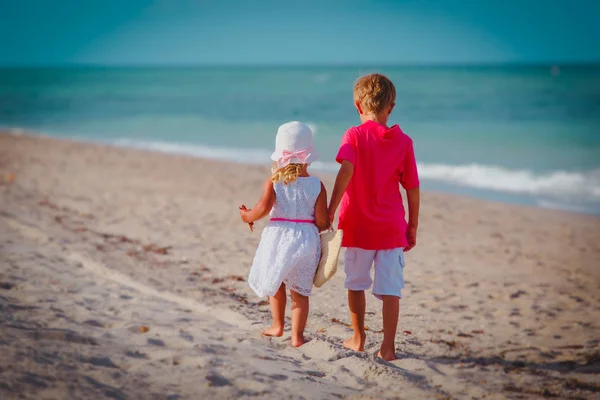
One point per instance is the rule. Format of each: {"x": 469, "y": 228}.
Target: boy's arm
{"x": 410, "y": 183}
{"x": 341, "y": 183}
{"x": 263, "y": 207}
{"x": 321, "y": 218}
{"x": 413, "y": 197}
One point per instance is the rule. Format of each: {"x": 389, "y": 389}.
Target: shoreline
{"x": 178, "y": 151}
{"x": 500, "y": 301}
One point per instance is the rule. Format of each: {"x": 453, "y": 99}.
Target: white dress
{"x": 288, "y": 251}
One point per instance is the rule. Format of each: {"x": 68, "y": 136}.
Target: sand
{"x": 122, "y": 275}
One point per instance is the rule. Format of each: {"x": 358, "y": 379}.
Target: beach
{"x": 123, "y": 275}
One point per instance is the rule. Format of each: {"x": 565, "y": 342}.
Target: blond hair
{"x": 374, "y": 93}
{"x": 287, "y": 174}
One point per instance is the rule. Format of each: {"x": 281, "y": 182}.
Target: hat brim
{"x": 312, "y": 157}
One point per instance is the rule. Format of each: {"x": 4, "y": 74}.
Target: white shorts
{"x": 389, "y": 266}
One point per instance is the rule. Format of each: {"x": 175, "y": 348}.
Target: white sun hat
{"x": 294, "y": 145}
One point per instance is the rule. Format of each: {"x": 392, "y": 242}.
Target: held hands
{"x": 411, "y": 237}
{"x": 331, "y": 216}
{"x": 244, "y": 215}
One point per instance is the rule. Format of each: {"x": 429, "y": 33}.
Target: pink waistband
{"x": 297, "y": 221}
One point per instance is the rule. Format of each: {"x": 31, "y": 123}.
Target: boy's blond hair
{"x": 374, "y": 93}
{"x": 287, "y": 174}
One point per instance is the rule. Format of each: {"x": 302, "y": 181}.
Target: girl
{"x": 290, "y": 246}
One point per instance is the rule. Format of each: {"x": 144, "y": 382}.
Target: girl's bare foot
{"x": 356, "y": 342}
{"x": 387, "y": 355}
{"x": 273, "y": 331}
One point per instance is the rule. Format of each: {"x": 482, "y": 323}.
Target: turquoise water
{"x": 519, "y": 134}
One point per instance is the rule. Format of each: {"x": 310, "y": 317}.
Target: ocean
{"x": 518, "y": 134}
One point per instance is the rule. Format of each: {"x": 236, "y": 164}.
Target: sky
{"x": 297, "y": 32}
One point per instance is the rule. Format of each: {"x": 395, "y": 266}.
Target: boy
{"x": 374, "y": 159}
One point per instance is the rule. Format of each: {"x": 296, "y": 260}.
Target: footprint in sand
{"x": 136, "y": 354}
{"x": 6, "y": 285}
{"x": 108, "y": 391}
{"x": 100, "y": 362}
{"x": 34, "y": 380}
{"x": 95, "y": 323}
{"x": 156, "y": 342}
{"x": 63, "y": 336}
{"x": 187, "y": 336}
{"x": 217, "y": 380}
{"x": 315, "y": 374}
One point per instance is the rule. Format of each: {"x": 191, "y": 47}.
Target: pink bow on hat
{"x": 287, "y": 156}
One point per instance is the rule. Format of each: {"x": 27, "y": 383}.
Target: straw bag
{"x": 331, "y": 244}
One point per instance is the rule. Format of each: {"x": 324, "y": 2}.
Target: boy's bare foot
{"x": 356, "y": 343}
{"x": 387, "y": 355}
{"x": 273, "y": 331}
{"x": 298, "y": 341}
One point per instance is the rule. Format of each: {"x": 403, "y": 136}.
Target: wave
{"x": 583, "y": 185}
{"x": 562, "y": 184}
{"x": 245, "y": 156}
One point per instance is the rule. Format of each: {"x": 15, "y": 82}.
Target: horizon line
{"x": 574, "y": 63}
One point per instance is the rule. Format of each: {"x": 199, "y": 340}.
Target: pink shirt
{"x": 371, "y": 211}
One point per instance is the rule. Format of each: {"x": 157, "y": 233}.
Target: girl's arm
{"x": 321, "y": 217}
{"x": 263, "y": 207}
